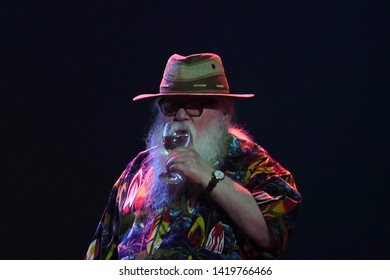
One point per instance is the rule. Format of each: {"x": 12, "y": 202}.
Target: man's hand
{"x": 189, "y": 163}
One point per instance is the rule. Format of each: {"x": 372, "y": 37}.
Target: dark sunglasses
{"x": 193, "y": 108}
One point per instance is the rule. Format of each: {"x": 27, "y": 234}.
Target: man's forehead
{"x": 181, "y": 99}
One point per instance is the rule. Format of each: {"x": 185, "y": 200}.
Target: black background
{"x": 319, "y": 69}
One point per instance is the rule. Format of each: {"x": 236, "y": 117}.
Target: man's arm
{"x": 231, "y": 196}
{"x": 244, "y": 211}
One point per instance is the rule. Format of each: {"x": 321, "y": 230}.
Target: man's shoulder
{"x": 136, "y": 163}
{"x": 134, "y": 169}
{"x": 140, "y": 157}
{"x": 246, "y": 147}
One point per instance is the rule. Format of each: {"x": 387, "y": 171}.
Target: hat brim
{"x": 230, "y": 95}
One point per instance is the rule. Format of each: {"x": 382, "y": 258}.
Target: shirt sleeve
{"x": 274, "y": 189}
{"x": 106, "y": 238}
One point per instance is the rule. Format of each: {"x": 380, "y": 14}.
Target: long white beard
{"x": 211, "y": 144}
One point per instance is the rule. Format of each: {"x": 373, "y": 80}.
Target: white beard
{"x": 211, "y": 144}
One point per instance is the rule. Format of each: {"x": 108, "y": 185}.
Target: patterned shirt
{"x": 197, "y": 229}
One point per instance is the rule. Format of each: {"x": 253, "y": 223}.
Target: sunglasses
{"x": 193, "y": 108}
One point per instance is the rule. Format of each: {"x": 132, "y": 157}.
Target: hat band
{"x": 217, "y": 84}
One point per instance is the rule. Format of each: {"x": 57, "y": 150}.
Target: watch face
{"x": 219, "y": 175}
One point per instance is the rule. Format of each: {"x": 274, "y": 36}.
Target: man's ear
{"x": 227, "y": 115}
{"x": 227, "y": 108}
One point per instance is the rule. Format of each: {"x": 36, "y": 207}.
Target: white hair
{"x": 211, "y": 143}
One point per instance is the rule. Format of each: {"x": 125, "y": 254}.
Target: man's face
{"x": 208, "y": 122}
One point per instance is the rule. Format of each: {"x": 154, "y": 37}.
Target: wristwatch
{"x": 217, "y": 176}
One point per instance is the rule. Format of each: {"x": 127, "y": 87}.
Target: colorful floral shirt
{"x": 197, "y": 229}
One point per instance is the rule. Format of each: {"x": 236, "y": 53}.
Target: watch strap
{"x": 216, "y": 176}
{"x": 213, "y": 182}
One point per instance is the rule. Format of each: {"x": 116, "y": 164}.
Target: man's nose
{"x": 181, "y": 115}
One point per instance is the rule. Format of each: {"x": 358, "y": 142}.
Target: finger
{"x": 173, "y": 158}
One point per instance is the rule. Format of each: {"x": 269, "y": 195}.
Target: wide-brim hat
{"x": 194, "y": 75}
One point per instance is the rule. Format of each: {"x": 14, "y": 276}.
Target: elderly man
{"x": 235, "y": 201}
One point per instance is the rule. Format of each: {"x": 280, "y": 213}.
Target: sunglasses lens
{"x": 194, "y": 109}
{"x": 168, "y": 108}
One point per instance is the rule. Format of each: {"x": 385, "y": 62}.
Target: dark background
{"x": 319, "y": 69}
